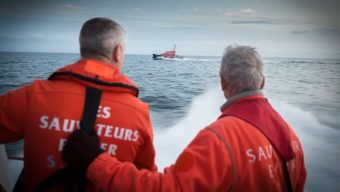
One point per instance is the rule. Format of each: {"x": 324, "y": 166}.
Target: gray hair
{"x": 242, "y": 69}
{"x": 99, "y": 37}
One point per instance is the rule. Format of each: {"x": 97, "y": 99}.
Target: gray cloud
{"x": 39, "y": 36}
{"x": 329, "y": 31}
{"x": 249, "y": 11}
{"x": 246, "y": 22}
{"x": 138, "y": 9}
{"x": 72, "y": 6}
{"x": 320, "y": 31}
{"x": 299, "y": 32}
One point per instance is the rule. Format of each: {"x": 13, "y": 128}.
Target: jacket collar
{"x": 95, "y": 73}
{"x": 242, "y": 96}
{"x": 254, "y": 108}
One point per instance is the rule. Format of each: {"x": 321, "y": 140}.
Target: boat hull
{"x": 162, "y": 57}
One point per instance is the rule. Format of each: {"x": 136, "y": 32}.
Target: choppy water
{"x": 184, "y": 96}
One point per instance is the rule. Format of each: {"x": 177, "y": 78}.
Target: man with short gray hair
{"x": 249, "y": 147}
{"x": 99, "y": 38}
{"x": 242, "y": 69}
{"x": 47, "y": 111}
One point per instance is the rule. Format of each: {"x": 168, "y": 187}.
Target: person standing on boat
{"x": 249, "y": 147}
{"x": 45, "y": 112}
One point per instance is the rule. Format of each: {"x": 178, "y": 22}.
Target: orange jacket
{"x": 231, "y": 154}
{"x": 47, "y": 111}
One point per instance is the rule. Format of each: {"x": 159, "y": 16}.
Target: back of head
{"x": 99, "y": 38}
{"x": 242, "y": 69}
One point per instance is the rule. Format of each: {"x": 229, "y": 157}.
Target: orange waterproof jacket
{"x": 47, "y": 111}
{"x": 231, "y": 154}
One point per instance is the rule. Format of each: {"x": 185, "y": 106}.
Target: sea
{"x": 184, "y": 96}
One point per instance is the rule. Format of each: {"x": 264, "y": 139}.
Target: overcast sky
{"x": 286, "y": 28}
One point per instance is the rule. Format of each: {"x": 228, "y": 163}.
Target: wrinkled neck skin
{"x": 106, "y": 61}
{"x": 116, "y": 58}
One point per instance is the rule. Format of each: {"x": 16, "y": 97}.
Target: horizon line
{"x": 1, "y": 51}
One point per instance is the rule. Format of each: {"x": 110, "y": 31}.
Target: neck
{"x": 107, "y": 61}
{"x": 104, "y": 60}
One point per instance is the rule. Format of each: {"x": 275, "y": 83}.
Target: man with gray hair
{"x": 91, "y": 94}
{"x": 248, "y": 148}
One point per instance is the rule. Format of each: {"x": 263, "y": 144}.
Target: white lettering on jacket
{"x": 51, "y": 161}
{"x": 260, "y": 153}
{"x": 135, "y": 136}
{"x": 109, "y": 148}
{"x": 55, "y": 124}
{"x": 43, "y": 122}
{"x": 104, "y": 112}
{"x": 69, "y": 125}
{"x": 273, "y": 169}
{"x": 251, "y": 156}
{"x": 62, "y": 142}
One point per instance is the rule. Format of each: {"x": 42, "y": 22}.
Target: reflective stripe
{"x": 230, "y": 154}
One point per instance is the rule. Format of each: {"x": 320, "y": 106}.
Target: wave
{"x": 201, "y": 59}
{"x": 169, "y": 142}
{"x": 191, "y": 59}
{"x": 320, "y": 143}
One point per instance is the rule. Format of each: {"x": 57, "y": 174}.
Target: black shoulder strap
{"x": 69, "y": 177}
{"x": 286, "y": 175}
{"x": 91, "y": 105}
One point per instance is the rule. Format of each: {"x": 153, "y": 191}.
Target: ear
{"x": 224, "y": 86}
{"x": 117, "y": 55}
{"x": 263, "y": 82}
{"x": 223, "y": 83}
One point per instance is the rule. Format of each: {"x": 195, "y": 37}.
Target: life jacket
{"x": 258, "y": 112}
{"x": 54, "y": 109}
{"x": 255, "y": 112}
